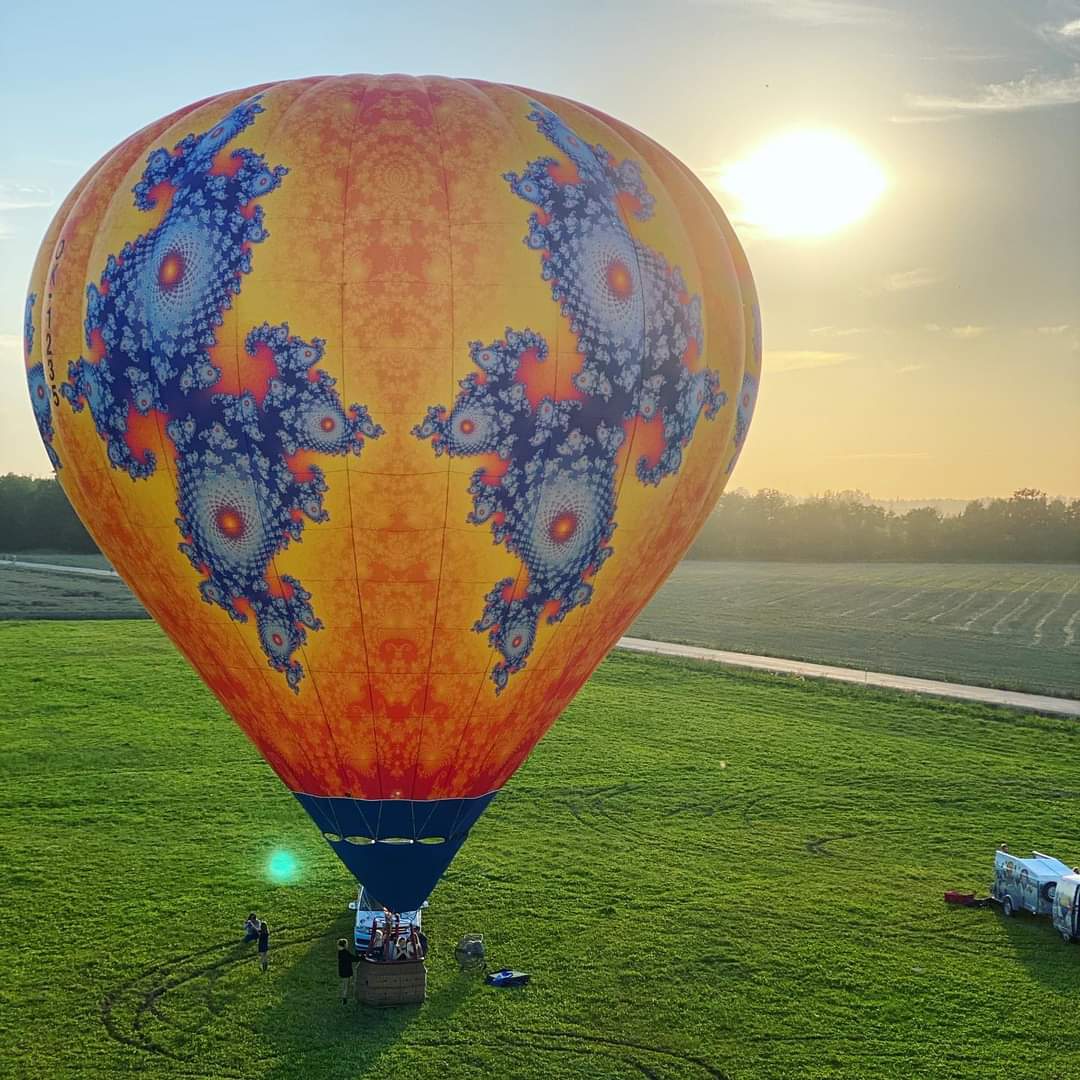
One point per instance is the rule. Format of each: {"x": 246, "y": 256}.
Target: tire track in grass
{"x": 817, "y": 845}
{"x": 600, "y": 1040}
{"x": 586, "y": 1046}
{"x": 591, "y": 809}
{"x": 127, "y": 1010}
{"x": 1037, "y": 635}
{"x": 993, "y": 607}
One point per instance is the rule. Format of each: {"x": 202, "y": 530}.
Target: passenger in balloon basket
{"x": 375, "y": 942}
{"x": 391, "y": 935}
{"x": 391, "y": 942}
{"x": 264, "y": 945}
{"x": 345, "y": 960}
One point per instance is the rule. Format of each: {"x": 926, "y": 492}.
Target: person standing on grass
{"x": 264, "y": 945}
{"x": 345, "y": 960}
{"x": 251, "y": 929}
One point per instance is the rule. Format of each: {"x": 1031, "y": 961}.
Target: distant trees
{"x": 35, "y": 515}
{"x": 847, "y": 527}
{"x": 840, "y": 526}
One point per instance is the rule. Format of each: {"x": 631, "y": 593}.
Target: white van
{"x": 1067, "y": 907}
{"x": 368, "y": 909}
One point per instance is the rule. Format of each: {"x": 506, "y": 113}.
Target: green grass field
{"x": 1012, "y": 626}
{"x": 709, "y": 874}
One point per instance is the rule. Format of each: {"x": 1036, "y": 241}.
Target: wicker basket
{"x": 401, "y": 982}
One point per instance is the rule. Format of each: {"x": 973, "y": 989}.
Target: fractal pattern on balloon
{"x": 150, "y": 325}
{"x": 39, "y": 388}
{"x": 553, "y": 505}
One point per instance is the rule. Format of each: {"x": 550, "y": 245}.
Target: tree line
{"x": 36, "y": 516}
{"x": 835, "y": 527}
{"x": 847, "y": 527}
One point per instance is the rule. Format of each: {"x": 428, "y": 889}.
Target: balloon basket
{"x": 396, "y": 982}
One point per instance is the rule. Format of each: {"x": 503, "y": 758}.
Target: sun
{"x": 804, "y": 183}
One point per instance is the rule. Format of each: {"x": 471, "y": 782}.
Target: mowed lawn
{"x": 709, "y": 874}
{"x": 1015, "y": 626}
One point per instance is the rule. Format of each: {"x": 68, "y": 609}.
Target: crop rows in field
{"x": 1014, "y": 626}
{"x": 92, "y": 562}
{"x": 40, "y": 594}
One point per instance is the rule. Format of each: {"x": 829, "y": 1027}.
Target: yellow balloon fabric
{"x": 394, "y": 400}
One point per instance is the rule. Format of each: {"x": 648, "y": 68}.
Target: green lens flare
{"x": 281, "y": 867}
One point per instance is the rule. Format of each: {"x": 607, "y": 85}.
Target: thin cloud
{"x": 908, "y": 368}
{"x": 20, "y": 197}
{"x": 924, "y": 118}
{"x": 1053, "y": 331}
{"x": 840, "y": 331}
{"x": 1032, "y": 91}
{"x": 1070, "y": 29}
{"x": 963, "y": 54}
{"x": 803, "y": 359}
{"x": 961, "y": 332}
{"x": 810, "y": 12}
{"x": 903, "y": 280}
{"x": 884, "y": 455}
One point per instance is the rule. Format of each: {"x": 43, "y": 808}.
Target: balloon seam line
{"x": 483, "y": 91}
{"x": 446, "y": 501}
{"x": 348, "y": 479}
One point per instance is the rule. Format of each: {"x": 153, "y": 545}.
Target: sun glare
{"x": 281, "y": 867}
{"x": 804, "y": 183}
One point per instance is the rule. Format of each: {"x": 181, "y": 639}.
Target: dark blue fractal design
{"x": 744, "y": 411}
{"x": 39, "y": 388}
{"x": 747, "y": 400}
{"x": 156, "y": 312}
{"x": 554, "y": 505}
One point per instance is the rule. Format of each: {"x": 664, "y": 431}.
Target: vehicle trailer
{"x": 1040, "y": 884}
{"x": 1067, "y": 907}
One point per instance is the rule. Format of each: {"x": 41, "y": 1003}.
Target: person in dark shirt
{"x": 345, "y": 960}
{"x": 264, "y": 945}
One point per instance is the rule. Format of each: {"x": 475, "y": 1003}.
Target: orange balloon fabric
{"x": 394, "y": 400}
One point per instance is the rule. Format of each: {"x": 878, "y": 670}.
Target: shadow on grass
{"x": 308, "y": 1032}
{"x": 1046, "y": 957}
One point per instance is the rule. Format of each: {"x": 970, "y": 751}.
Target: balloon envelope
{"x": 394, "y": 400}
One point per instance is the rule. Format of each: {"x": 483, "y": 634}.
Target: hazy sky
{"x": 929, "y": 349}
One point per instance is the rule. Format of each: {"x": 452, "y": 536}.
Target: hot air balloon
{"x": 394, "y": 400}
